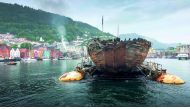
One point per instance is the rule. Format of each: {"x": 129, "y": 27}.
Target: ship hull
{"x": 118, "y": 56}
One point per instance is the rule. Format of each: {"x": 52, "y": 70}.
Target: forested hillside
{"x": 32, "y": 24}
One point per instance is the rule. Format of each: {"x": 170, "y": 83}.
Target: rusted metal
{"x": 118, "y": 56}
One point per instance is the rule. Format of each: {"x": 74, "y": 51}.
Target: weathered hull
{"x": 118, "y": 56}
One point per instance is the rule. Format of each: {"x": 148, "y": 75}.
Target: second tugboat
{"x": 116, "y": 57}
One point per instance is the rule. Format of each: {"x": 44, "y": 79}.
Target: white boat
{"x": 61, "y": 58}
{"x": 46, "y": 59}
{"x": 54, "y": 59}
{"x": 28, "y": 60}
{"x": 67, "y": 58}
{"x": 182, "y": 56}
{"x": 1, "y": 59}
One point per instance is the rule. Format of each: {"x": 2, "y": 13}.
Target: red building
{"x": 24, "y": 53}
{"x": 59, "y": 54}
{"x": 4, "y": 51}
{"x": 53, "y": 54}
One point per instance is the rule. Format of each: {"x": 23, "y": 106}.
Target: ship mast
{"x": 102, "y": 23}
{"x": 118, "y": 30}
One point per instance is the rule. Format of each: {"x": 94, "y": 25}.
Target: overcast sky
{"x": 164, "y": 20}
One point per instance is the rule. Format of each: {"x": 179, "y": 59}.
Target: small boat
{"x": 67, "y": 58}
{"x": 28, "y": 60}
{"x": 61, "y": 58}
{"x": 11, "y": 63}
{"x": 46, "y": 59}
{"x": 182, "y": 56}
{"x": 54, "y": 59}
{"x": 10, "y": 60}
{"x": 39, "y": 59}
{"x": 1, "y": 59}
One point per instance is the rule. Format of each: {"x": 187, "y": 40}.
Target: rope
{"x": 141, "y": 71}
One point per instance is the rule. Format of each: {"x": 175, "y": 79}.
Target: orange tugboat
{"x": 116, "y": 56}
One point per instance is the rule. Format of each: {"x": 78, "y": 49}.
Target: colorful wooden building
{"x": 4, "y": 51}
{"x": 46, "y": 54}
{"x": 24, "y": 53}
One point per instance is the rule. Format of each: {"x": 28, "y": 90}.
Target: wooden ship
{"x": 117, "y": 58}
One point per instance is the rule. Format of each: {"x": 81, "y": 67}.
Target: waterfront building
{"x": 31, "y": 54}
{"x": 156, "y": 53}
{"x": 35, "y": 52}
{"x": 24, "y": 53}
{"x": 38, "y": 51}
{"x": 160, "y": 53}
{"x": 12, "y": 53}
{"x": 17, "y": 53}
{"x": 152, "y": 53}
{"x": 184, "y": 49}
{"x": 46, "y": 54}
{"x": 4, "y": 51}
{"x": 53, "y": 54}
{"x": 1, "y": 41}
{"x": 6, "y": 36}
{"x": 171, "y": 52}
{"x": 78, "y": 42}
{"x": 41, "y": 39}
{"x": 59, "y": 54}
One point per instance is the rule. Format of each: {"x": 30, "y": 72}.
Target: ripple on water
{"x": 37, "y": 84}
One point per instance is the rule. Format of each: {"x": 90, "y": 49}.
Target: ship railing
{"x": 154, "y": 66}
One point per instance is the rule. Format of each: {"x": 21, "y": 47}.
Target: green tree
{"x": 25, "y": 22}
{"x": 14, "y": 46}
{"x": 26, "y": 45}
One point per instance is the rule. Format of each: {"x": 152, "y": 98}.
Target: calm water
{"x": 36, "y": 84}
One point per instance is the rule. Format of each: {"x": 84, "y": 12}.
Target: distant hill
{"x": 32, "y": 24}
{"x": 155, "y": 44}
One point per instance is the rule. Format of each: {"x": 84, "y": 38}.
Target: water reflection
{"x": 117, "y": 93}
{"x": 4, "y": 79}
{"x": 30, "y": 84}
{"x": 37, "y": 84}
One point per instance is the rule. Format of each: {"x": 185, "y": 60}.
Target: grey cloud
{"x": 56, "y": 6}
{"x": 147, "y": 10}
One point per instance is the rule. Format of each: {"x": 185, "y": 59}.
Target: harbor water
{"x": 37, "y": 84}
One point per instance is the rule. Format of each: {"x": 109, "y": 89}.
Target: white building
{"x": 14, "y": 53}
